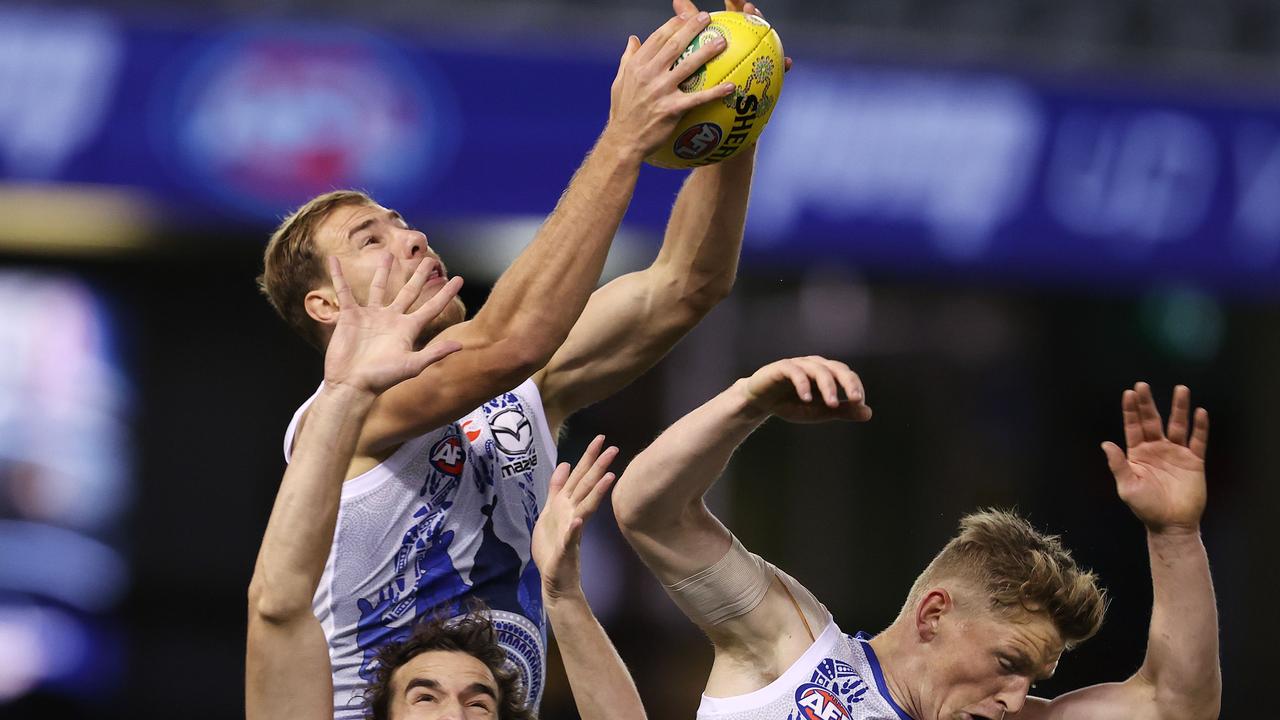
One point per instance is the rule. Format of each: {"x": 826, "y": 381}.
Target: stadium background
{"x": 1000, "y": 212}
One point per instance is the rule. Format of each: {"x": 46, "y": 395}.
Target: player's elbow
{"x": 696, "y": 293}
{"x": 275, "y": 605}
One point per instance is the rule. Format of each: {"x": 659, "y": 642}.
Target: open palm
{"x": 1161, "y": 477}
{"x": 572, "y": 499}
{"x": 372, "y": 347}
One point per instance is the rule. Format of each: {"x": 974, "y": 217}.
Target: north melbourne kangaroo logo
{"x": 512, "y": 431}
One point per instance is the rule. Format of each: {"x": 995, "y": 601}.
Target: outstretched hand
{"x": 786, "y": 388}
{"x": 687, "y": 6}
{"x": 372, "y": 347}
{"x": 573, "y": 498}
{"x": 1161, "y": 478}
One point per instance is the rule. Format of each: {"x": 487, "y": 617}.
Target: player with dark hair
{"x": 992, "y": 613}
{"x": 451, "y": 467}
{"x": 448, "y": 668}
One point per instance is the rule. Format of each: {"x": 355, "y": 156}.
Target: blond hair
{"x": 292, "y": 264}
{"x": 1020, "y": 570}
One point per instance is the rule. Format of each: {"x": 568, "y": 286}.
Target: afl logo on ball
{"x": 818, "y": 703}
{"x": 697, "y": 141}
{"x": 512, "y": 432}
{"x": 448, "y": 456}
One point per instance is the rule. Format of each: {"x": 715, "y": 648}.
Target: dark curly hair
{"x": 473, "y": 634}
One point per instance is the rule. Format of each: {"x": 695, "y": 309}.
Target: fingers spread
{"x": 1178, "y": 414}
{"x": 1132, "y": 423}
{"x": 593, "y": 475}
{"x": 1117, "y": 461}
{"x": 434, "y": 353}
{"x": 689, "y": 101}
{"x": 558, "y": 478}
{"x": 584, "y": 464}
{"x": 675, "y": 45}
{"x": 345, "y": 298}
{"x": 714, "y": 46}
{"x": 413, "y": 288}
{"x": 438, "y": 302}
{"x": 658, "y": 38}
{"x": 593, "y": 499}
{"x": 379, "y": 285}
{"x": 1152, "y": 428}
{"x": 1200, "y": 433}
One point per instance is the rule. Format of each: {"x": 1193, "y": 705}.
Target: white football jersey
{"x": 449, "y": 516}
{"x": 837, "y": 678}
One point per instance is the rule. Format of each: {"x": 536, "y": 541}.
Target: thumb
{"x": 1116, "y": 460}
{"x": 434, "y": 352}
{"x": 633, "y": 44}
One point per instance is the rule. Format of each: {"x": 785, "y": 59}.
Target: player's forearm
{"x": 602, "y": 686}
{"x": 538, "y": 299}
{"x": 300, "y": 530}
{"x": 673, "y": 473}
{"x": 1182, "y": 647}
{"x": 704, "y": 234}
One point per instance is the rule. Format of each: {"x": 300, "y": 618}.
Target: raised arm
{"x": 287, "y": 672}
{"x": 602, "y": 687}
{"x": 659, "y": 500}
{"x": 632, "y": 322}
{"x": 1162, "y": 480}
{"x": 538, "y": 299}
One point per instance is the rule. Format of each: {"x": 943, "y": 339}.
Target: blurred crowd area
{"x": 1001, "y": 213}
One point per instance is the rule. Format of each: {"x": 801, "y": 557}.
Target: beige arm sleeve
{"x": 735, "y": 585}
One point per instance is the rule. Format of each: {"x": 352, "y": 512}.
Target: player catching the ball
{"x": 452, "y": 466}
{"x": 444, "y": 669}
{"x": 992, "y": 613}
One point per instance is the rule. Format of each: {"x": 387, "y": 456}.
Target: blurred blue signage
{"x": 933, "y": 171}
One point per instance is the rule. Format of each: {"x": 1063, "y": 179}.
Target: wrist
{"x": 1174, "y": 533}
{"x": 745, "y": 404}
{"x": 553, "y": 598}
{"x": 346, "y": 394}
{"x": 619, "y": 147}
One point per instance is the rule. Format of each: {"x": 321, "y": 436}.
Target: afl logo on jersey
{"x": 512, "y": 431}
{"x": 818, "y": 703}
{"x": 448, "y": 456}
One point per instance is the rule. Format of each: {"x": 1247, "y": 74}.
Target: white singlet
{"x": 448, "y": 516}
{"x": 837, "y": 678}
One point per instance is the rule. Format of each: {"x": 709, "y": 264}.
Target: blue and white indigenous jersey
{"x": 447, "y": 517}
{"x": 837, "y": 678}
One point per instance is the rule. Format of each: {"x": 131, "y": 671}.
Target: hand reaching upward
{"x": 785, "y": 388}
{"x": 1161, "y": 477}
{"x": 572, "y": 499}
{"x": 372, "y": 347}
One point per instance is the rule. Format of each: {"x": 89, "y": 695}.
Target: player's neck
{"x": 896, "y": 664}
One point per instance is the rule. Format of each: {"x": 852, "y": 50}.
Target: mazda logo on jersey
{"x": 448, "y": 456}
{"x": 818, "y": 703}
{"x": 512, "y": 431}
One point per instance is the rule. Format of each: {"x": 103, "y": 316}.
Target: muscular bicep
{"x": 287, "y": 673}
{"x": 1133, "y": 699}
{"x": 627, "y": 326}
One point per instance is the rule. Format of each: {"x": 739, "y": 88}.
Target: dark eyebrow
{"x": 473, "y": 688}
{"x": 482, "y": 689}
{"x": 421, "y": 682}
{"x": 362, "y": 226}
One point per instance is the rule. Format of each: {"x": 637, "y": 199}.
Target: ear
{"x": 929, "y": 612}
{"x": 322, "y": 305}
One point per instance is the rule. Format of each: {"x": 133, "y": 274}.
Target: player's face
{"x": 443, "y": 685}
{"x": 359, "y": 235}
{"x": 986, "y": 664}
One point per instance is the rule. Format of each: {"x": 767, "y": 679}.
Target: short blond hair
{"x": 292, "y": 264}
{"x": 1021, "y": 570}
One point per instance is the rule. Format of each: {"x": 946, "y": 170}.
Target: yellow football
{"x": 752, "y": 61}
